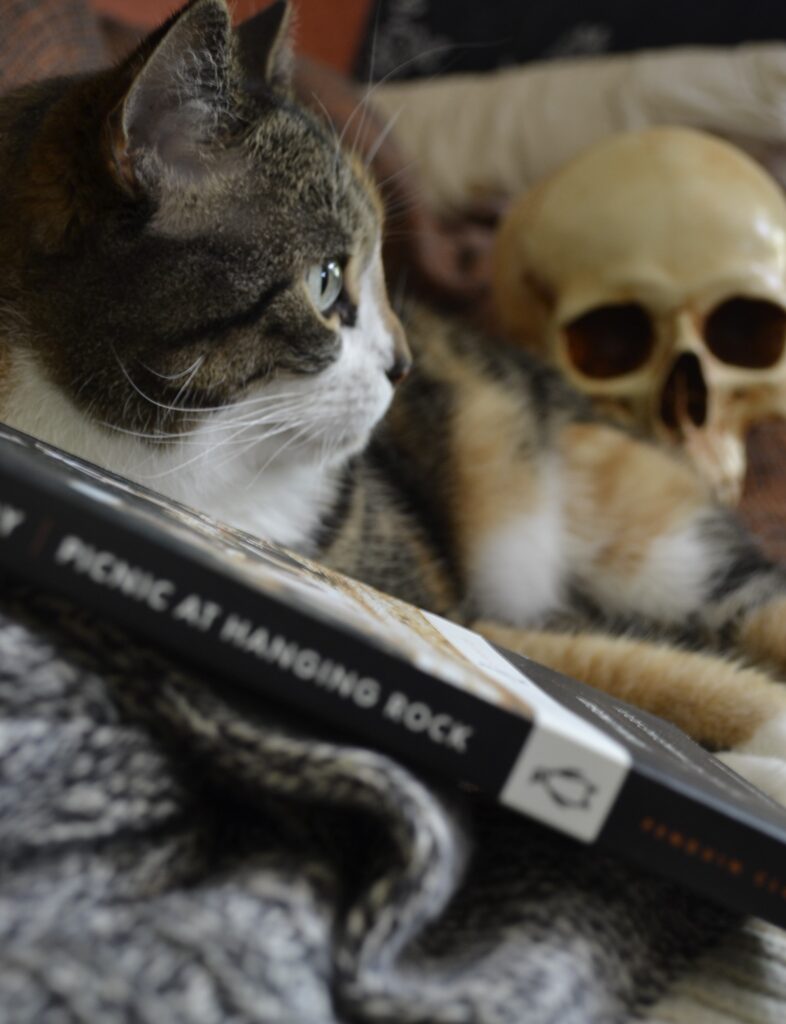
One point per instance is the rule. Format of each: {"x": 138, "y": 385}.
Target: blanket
{"x": 173, "y": 850}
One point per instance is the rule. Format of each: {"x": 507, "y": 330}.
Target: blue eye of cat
{"x": 325, "y": 282}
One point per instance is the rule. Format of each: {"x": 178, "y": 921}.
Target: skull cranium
{"x": 652, "y": 270}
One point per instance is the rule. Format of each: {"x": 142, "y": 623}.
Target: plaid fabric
{"x": 42, "y": 38}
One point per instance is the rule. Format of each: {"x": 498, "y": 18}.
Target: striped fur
{"x": 158, "y": 224}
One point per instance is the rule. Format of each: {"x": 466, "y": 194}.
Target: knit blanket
{"x": 174, "y": 851}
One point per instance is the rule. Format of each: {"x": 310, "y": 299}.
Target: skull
{"x": 652, "y": 271}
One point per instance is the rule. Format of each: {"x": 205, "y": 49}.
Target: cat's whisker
{"x": 400, "y": 297}
{"x": 397, "y": 204}
{"x": 244, "y": 446}
{"x": 404, "y": 169}
{"x": 298, "y": 436}
{"x": 241, "y": 423}
{"x": 365, "y": 100}
{"x": 88, "y": 382}
{"x": 201, "y": 410}
{"x": 380, "y": 139}
{"x": 206, "y": 453}
{"x": 372, "y": 60}
{"x": 239, "y": 437}
{"x": 175, "y": 376}
{"x": 329, "y": 119}
{"x": 183, "y": 392}
{"x": 416, "y": 190}
{"x": 265, "y": 415}
{"x": 371, "y": 65}
{"x": 239, "y": 440}
{"x": 329, "y": 449}
{"x": 293, "y": 424}
{"x": 245, "y": 402}
{"x": 276, "y": 404}
{"x": 148, "y": 398}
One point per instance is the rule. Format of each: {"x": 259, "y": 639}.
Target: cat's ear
{"x": 178, "y": 98}
{"x": 265, "y": 50}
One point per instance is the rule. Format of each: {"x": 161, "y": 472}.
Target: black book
{"x": 424, "y": 689}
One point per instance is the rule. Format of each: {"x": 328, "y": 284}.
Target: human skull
{"x": 652, "y": 270}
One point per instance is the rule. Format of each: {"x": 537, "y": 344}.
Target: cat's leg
{"x": 738, "y": 712}
{"x": 718, "y": 703}
{"x": 647, "y": 543}
{"x": 761, "y": 633}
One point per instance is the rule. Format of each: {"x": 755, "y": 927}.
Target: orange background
{"x": 327, "y": 30}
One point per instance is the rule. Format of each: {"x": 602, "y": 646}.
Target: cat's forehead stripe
{"x": 339, "y": 171}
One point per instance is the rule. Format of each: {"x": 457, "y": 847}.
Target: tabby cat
{"x": 191, "y": 293}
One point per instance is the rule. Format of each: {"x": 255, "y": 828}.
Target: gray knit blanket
{"x": 173, "y": 851}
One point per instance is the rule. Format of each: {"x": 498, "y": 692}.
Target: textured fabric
{"x": 169, "y": 854}
{"x": 501, "y": 133}
{"x": 742, "y": 981}
{"x": 327, "y": 32}
{"x": 409, "y": 38}
{"x": 43, "y": 38}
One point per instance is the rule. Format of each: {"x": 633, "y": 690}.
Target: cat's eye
{"x": 325, "y": 282}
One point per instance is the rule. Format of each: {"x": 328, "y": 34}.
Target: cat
{"x": 192, "y": 294}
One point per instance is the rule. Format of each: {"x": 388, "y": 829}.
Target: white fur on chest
{"x": 668, "y": 584}
{"x": 517, "y": 570}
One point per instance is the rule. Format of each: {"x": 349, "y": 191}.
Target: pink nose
{"x": 399, "y": 370}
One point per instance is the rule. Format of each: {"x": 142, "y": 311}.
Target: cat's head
{"x": 183, "y": 249}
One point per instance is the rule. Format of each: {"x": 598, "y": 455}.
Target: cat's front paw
{"x": 762, "y": 636}
{"x": 762, "y": 759}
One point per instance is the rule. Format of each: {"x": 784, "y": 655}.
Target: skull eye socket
{"x": 610, "y": 341}
{"x": 749, "y": 333}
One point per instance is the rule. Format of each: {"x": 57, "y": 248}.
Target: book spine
{"x": 97, "y": 554}
{"x": 724, "y": 858}
{"x": 668, "y": 819}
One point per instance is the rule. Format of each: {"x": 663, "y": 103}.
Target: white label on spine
{"x": 569, "y": 772}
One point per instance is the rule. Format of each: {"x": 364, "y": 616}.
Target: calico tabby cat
{"x": 191, "y": 293}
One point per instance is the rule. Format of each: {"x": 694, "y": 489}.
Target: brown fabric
{"x": 764, "y": 501}
{"x": 143, "y": 14}
{"x": 119, "y": 39}
{"x": 328, "y": 32}
{"x": 42, "y": 38}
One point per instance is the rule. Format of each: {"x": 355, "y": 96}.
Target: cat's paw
{"x": 762, "y": 759}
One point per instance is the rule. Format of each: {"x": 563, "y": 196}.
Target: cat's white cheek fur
{"x": 667, "y": 585}
{"x": 353, "y": 394}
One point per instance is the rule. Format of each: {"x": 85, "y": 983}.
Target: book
{"x": 424, "y": 689}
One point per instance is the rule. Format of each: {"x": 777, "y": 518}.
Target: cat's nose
{"x": 402, "y": 364}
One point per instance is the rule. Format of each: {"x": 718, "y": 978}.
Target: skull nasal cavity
{"x": 609, "y": 341}
{"x": 684, "y": 395}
